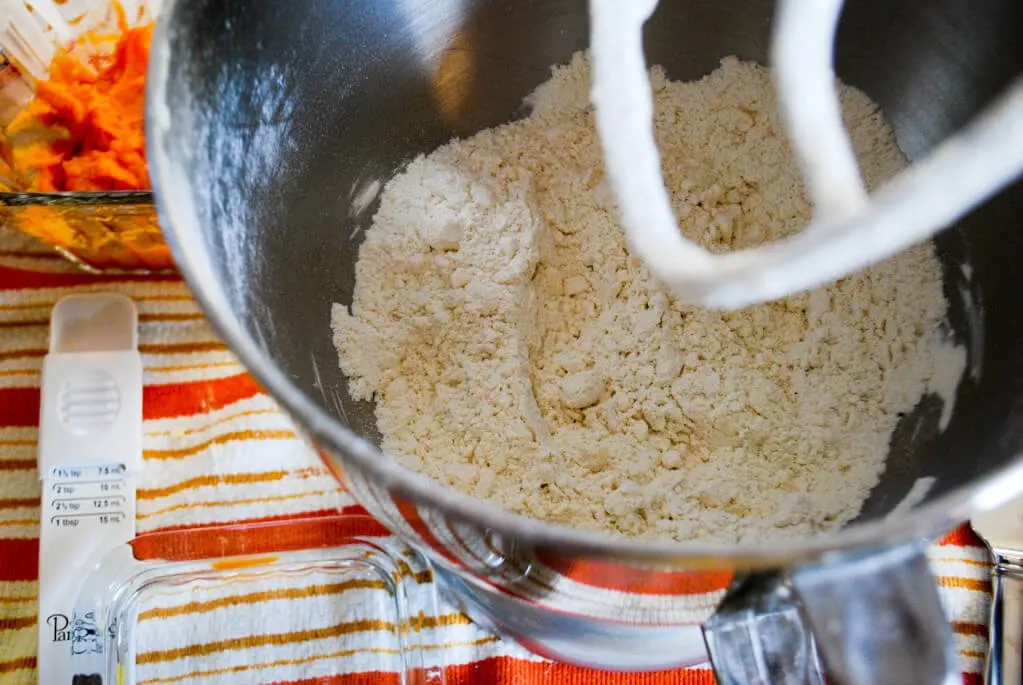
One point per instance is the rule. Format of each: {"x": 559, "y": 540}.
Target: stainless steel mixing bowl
{"x": 270, "y": 126}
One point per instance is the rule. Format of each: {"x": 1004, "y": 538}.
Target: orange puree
{"x": 90, "y": 113}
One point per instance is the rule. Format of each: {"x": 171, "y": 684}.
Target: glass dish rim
{"x": 128, "y": 198}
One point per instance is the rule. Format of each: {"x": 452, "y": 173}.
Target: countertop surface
{"x": 217, "y": 450}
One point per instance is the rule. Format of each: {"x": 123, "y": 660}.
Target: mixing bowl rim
{"x": 179, "y": 220}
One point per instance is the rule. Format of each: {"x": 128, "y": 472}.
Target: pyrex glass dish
{"x": 268, "y": 602}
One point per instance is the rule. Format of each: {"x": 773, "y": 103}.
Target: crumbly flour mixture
{"x": 516, "y": 351}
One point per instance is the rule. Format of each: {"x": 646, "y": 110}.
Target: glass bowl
{"x": 100, "y": 231}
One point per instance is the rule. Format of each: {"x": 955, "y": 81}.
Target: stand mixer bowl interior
{"x": 272, "y": 127}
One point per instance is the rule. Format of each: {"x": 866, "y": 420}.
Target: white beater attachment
{"x": 849, "y": 230}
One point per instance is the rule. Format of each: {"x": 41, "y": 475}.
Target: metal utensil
{"x": 1002, "y": 530}
{"x": 850, "y": 229}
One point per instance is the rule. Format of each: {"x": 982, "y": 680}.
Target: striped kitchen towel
{"x": 217, "y": 450}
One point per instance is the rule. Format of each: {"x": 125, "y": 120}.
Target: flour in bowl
{"x": 516, "y": 351}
